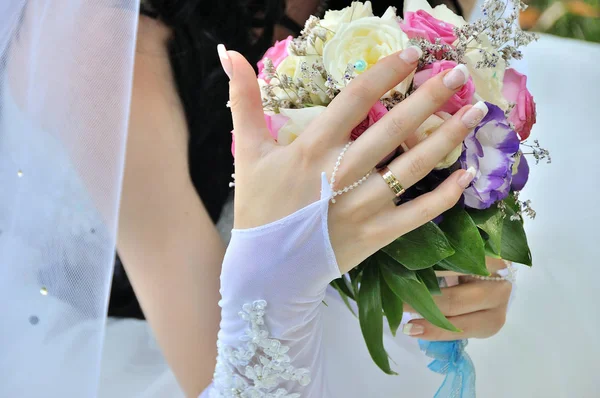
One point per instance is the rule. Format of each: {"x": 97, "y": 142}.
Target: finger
{"x": 482, "y": 324}
{"x": 416, "y": 163}
{"x": 352, "y": 105}
{"x": 471, "y": 297}
{"x": 495, "y": 264}
{"x": 392, "y": 222}
{"x": 245, "y": 101}
{"x": 402, "y": 121}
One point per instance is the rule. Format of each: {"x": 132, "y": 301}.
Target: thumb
{"x": 249, "y": 125}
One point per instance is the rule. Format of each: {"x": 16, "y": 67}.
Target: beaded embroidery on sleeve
{"x": 256, "y": 369}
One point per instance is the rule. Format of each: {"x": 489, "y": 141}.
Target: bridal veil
{"x": 65, "y": 83}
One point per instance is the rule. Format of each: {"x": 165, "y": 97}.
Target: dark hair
{"x": 197, "y": 27}
{"x": 379, "y": 6}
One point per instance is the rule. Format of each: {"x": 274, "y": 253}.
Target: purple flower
{"x": 521, "y": 174}
{"x": 490, "y": 149}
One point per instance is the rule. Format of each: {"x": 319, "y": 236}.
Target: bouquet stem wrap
{"x": 451, "y": 359}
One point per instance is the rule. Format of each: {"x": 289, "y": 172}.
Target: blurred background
{"x": 577, "y": 19}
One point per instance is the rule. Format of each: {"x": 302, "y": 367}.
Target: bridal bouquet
{"x": 300, "y": 76}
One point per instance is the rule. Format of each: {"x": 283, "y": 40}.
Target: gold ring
{"x": 392, "y": 182}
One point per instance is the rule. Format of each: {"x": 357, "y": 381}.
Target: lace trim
{"x": 255, "y": 369}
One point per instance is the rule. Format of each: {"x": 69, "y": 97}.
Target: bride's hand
{"x": 274, "y": 181}
{"x": 477, "y": 307}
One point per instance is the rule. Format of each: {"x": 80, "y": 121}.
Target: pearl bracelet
{"x": 335, "y": 170}
{"x": 510, "y": 272}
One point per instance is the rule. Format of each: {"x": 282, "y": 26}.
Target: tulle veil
{"x": 65, "y": 83}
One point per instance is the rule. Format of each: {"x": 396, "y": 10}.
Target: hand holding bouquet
{"x": 300, "y": 76}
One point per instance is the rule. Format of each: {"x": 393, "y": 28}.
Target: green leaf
{"x": 392, "y": 307}
{"x": 355, "y": 275}
{"x": 342, "y": 285}
{"x": 491, "y": 222}
{"x": 490, "y": 252}
{"x": 412, "y": 291}
{"x": 370, "y": 316}
{"x": 421, "y": 248}
{"x": 464, "y": 236}
{"x": 343, "y": 295}
{"x": 429, "y": 278}
{"x": 514, "y": 241}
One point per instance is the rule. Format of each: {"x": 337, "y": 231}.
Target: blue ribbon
{"x": 451, "y": 359}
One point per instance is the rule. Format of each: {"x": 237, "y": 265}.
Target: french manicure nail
{"x": 473, "y": 116}
{"x": 413, "y": 329}
{"x": 457, "y": 77}
{"x": 411, "y": 54}
{"x": 465, "y": 179}
{"x": 225, "y": 60}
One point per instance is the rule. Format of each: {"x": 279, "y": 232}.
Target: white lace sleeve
{"x": 273, "y": 283}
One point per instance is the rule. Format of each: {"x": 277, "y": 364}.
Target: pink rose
{"x": 421, "y": 24}
{"x": 523, "y": 115}
{"x": 462, "y": 97}
{"x": 274, "y": 123}
{"x": 276, "y": 54}
{"x": 377, "y": 112}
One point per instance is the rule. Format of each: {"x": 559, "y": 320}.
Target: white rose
{"x": 432, "y": 123}
{"x": 440, "y": 12}
{"x": 488, "y": 81}
{"x": 291, "y": 66}
{"x": 365, "y": 41}
{"x": 333, "y": 18}
{"x": 357, "y": 10}
{"x": 299, "y": 119}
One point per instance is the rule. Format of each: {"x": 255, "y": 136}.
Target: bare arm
{"x": 167, "y": 241}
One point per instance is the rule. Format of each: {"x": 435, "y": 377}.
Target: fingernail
{"x": 456, "y": 77}
{"x": 413, "y": 329}
{"x": 473, "y": 116}
{"x": 465, "y": 179}
{"x": 225, "y": 60}
{"x": 411, "y": 54}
